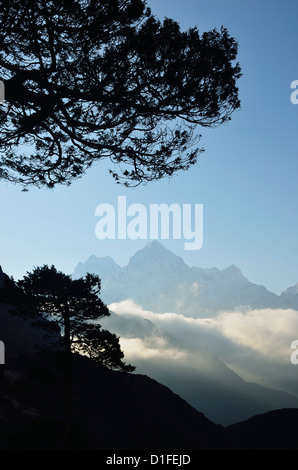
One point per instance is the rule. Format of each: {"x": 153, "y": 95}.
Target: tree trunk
{"x": 67, "y": 359}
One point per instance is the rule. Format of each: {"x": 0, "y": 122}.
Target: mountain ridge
{"x": 161, "y": 281}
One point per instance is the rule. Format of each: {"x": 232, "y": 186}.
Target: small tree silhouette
{"x": 73, "y": 305}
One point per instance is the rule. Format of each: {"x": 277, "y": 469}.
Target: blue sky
{"x": 246, "y": 179}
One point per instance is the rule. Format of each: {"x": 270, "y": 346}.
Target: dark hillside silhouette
{"x": 275, "y": 430}
{"x": 112, "y": 410}
{"x": 116, "y": 411}
{"x": 55, "y": 302}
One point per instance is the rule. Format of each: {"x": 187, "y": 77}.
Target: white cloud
{"x": 127, "y": 307}
{"x": 198, "y": 357}
{"x": 269, "y": 332}
{"x": 266, "y": 331}
{"x": 137, "y": 348}
{"x": 255, "y": 344}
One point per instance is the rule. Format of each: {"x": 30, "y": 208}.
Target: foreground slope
{"x": 119, "y": 411}
{"x": 275, "y": 430}
{"x": 111, "y": 410}
{"x": 114, "y": 411}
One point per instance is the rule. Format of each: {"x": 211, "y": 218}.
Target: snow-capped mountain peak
{"x": 293, "y": 290}
{"x": 154, "y": 255}
{"x": 233, "y": 272}
{"x": 161, "y": 281}
{"x": 105, "y": 267}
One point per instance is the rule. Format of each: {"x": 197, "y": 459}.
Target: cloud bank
{"x": 255, "y": 344}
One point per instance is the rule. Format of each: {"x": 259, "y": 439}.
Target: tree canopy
{"x": 74, "y": 305}
{"x": 87, "y": 80}
{"x": 69, "y": 310}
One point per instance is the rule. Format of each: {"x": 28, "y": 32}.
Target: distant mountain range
{"x": 160, "y": 281}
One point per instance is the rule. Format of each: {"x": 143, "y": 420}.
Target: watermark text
{"x": 294, "y": 94}
{"x": 294, "y": 355}
{"x": 2, "y": 353}
{"x": 2, "y": 92}
{"x": 159, "y": 221}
